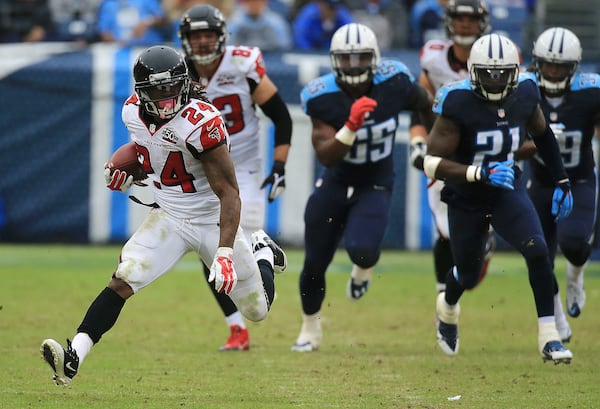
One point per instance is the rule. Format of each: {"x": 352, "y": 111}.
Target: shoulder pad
{"x": 528, "y": 76}
{"x": 319, "y": 86}
{"x": 433, "y": 48}
{"x": 244, "y": 58}
{"x": 585, "y": 80}
{"x": 389, "y": 68}
{"x": 443, "y": 91}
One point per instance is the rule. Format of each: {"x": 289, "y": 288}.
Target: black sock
{"x": 442, "y": 258}
{"x": 102, "y": 314}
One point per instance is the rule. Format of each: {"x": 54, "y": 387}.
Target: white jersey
{"x": 229, "y": 91}
{"x": 171, "y": 157}
{"x": 434, "y": 60}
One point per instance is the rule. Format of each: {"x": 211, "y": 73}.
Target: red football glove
{"x": 222, "y": 272}
{"x": 359, "y": 111}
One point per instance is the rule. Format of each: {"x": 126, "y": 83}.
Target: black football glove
{"x": 276, "y": 179}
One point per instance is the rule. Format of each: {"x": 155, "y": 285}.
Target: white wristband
{"x": 430, "y": 165}
{"x": 473, "y": 174}
{"x": 224, "y": 252}
{"x": 345, "y": 136}
{"x": 417, "y": 139}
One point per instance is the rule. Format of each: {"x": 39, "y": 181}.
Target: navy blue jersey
{"x": 489, "y": 132}
{"x": 369, "y": 161}
{"x": 573, "y": 121}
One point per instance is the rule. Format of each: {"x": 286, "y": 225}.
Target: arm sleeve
{"x": 549, "y": 151}
{"x": 277, "y": 111}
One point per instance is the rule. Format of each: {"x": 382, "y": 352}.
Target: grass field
{"x": 379, "y": 352}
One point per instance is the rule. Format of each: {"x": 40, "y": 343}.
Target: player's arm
{"x": 418, "y": 131}
{"x": 442, "y": 142}
{"x": 220, "y": 173}
{"x": 267, "y": 97}
{"x": 548, "y": 149}
{"x": 329, "y": 150}
{"x": 422, "y": 105}
{"x": 597, "y": 125}
{"x": 331, "y": 145}
{"x": 546, "y": 145}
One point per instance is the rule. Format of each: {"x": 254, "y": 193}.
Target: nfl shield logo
{"x": 501, "y": 113}
{"x": 553, "y": 116}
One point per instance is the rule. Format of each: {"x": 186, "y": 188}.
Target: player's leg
{"x": 490, "y": 248}
{"x": 252, "y": 294}
{"x": 442, "y": 254}
{"x": 149, "y": 253}
{"x": 514, "y": 208}
{"x": 575, "y": 235}
{"x": 324, "y": 219}
{"x": 239, "y": 337}
{"x": 366, "y": 223}
{"x": 248, "y": 175}
{"x": 541, "y": 197}
{"x": 467, "y": 247}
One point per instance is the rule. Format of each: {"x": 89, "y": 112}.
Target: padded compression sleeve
{"x": 277, "y": 111}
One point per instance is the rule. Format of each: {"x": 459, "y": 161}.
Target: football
{"x": 126, "y": 159}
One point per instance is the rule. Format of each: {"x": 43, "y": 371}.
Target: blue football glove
{"x": 498, "y": 174}
{"x": 562, "y": 200}
{"x": 276, "y": 179}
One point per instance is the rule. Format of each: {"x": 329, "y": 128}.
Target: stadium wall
{"x": 61, "y": 119}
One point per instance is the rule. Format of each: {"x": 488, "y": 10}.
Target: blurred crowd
{"x": 272, "y": 25}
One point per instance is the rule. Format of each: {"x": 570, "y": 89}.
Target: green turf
{"x": 379, "y": 352}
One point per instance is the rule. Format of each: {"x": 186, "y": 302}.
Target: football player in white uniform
{"x": 184, "y": 148}
{"x": 443, "y": 61}
{"x": 235, "y": 80}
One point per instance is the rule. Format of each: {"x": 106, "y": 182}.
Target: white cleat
{"x": 64, "y": 362}
{"x": 555, "y": 351}
{"x": 310, "y": 336}
{"x": 447, "y": 325}
{"x": 260, "y": 239}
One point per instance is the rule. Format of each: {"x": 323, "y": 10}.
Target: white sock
{"x": 573, "y": 271}
{"x": 559, "y": 313}
{"x": 264, "y": 253}
{"x": 311, "y": 329}
{"x": 82, "y": 344}
{"x": 547, "y": 331}
{"x": 235, "y": 319}
{"x": 361, "y": 274}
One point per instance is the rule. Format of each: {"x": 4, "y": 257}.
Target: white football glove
{"x": 418, "y": 150}
{"x": 119, "y": 180}
{"x": 276, "y": 179}
{"x": 222, "y": 271}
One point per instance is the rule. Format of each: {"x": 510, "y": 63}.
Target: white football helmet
{"x": 558, "y": 46}
{"x": 494, "y": 66}
{"x": 354, "y": 54}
